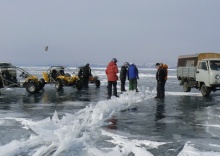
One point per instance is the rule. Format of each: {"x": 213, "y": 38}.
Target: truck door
{"x": 202, "y": 73}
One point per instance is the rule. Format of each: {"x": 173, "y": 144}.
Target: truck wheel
{"x": 58, "y": 85}
{"x": 31, "y": 87}
{"x": 205, "y": 90}
{"x": 79, "y": 84}
{"x": 186, "y": 87}
{"x": 97, "y": 83}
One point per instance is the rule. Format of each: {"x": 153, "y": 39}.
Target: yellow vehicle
{"x": 61, "y": 76}
{"x": 11, "y": 77}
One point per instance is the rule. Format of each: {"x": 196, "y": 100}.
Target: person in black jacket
{"x": 86, "y": 73}
{"x": 160, "y": 77}
{"x": 123, "y": 75}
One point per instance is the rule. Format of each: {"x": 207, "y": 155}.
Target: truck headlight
{"x": 217, "y": 77}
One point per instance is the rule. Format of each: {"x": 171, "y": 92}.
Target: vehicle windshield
{"x": 215, "y": 65}
{"x": 5, "y": 64}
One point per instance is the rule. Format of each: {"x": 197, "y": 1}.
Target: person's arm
{"x": 137, "y": 74}
{"x": 116, "y": 69}
{"x": 106, "y": 71}
{"x": 161, "y": 75}
{"x": 90, "y": 73}
{"x": 128, "y": 73}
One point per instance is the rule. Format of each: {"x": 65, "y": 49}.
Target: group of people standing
{"x": 130, "y": 72}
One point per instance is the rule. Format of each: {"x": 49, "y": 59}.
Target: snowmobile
{"x": 12, "y": 76}
{"x": 61, "y": 76}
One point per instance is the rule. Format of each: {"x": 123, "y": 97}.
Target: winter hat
{"x": 126, "y": 64}
{"x": 131, "y": 63}
{"x": 114, "y": 60}
{"x": 157, "y": 64}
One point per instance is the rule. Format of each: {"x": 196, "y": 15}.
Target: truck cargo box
{"x": 183, "y": 72}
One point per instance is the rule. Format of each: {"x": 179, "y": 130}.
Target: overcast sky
{"x": 95, "y": 31}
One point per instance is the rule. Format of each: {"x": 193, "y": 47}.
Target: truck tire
{"x": 205, "y": 90}
{"x": 58, "y": 85}
{"x": 186, "y": 87}
{"x": 31, "y": 87}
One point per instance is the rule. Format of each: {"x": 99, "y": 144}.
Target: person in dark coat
{"x": 137, "y": 78}
{"x": 111, "y": 72}
{"x": 160, "y": 77}
{"x": 123, "y": 75}
{"x": 133, "y": 76}
{"x": 86, "y": 73}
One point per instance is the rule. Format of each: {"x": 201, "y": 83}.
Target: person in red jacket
{"x": 111, "y": 72}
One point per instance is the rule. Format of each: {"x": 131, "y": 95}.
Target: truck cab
{"x": 208, "y": 71}
{"x": 208, "y": 75}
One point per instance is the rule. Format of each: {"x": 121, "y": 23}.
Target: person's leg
{"x": 158, "y": 90}
{"x": 134, "y": 84}
{"x": 137, "y": 86}
{"x": 115, "y": 88}
{"x": 122, "y": 85}
{"x": 130, "y": 84}
{"x": 162, "y": 90}
{"x": 109, "y": 89}
{"x": 86, "y": 82}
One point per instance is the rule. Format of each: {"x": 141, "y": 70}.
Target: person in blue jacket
{"x": 133, "y": 76}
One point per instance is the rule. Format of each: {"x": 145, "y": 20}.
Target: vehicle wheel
{"x": 58, "y": 85}
{"x": 31, "y": 87}
{"x": 186, "y": 87}
{"x": 97, "y": 83}
{"x": 79, "y": 84}
{"x": 205, "y": 90}
{"x": 42, "y": 82}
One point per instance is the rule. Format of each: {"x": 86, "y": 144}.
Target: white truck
{"x": 200, "y": 71}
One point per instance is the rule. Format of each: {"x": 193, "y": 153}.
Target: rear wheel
{"x": 79, "y": 84}
{"x": 205, "y": 90}
{"x": 31, "y": 87}
{"x": 58, "y": 85}
{"x": 186, "y": 87}
{"x": 97, "y": 83}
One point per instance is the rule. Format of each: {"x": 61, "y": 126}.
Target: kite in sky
{"x": 46, "y": 48}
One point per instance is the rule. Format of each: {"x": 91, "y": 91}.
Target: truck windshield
{"x": 215, "y": 65}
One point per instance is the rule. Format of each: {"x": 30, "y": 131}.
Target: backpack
{"x": 165, "y": 67}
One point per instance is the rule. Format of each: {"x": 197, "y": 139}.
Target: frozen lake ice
{"x": 82, "y": 123}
